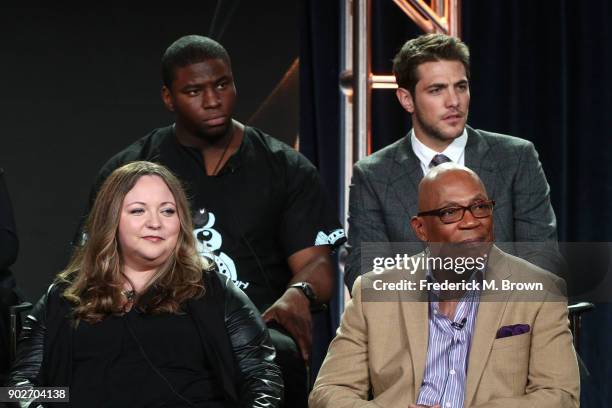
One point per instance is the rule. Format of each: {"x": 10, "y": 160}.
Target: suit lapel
{"x": 416, "y": 320}
{"x": 405, "y": 176}
{"x": 490, "y": 313}
{"x": 406, "y": 173}
{"x": 476, "y": 158}
{"x": 488, "y": 321}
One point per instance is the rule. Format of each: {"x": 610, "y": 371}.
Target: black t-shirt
{"x": 264, "y": 205}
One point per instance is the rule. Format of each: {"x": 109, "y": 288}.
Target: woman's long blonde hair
{"x": 94, "y": 274}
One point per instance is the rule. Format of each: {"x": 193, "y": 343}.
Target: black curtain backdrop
{"x": 320, "y": 127}
{"x": 539, "y": 72}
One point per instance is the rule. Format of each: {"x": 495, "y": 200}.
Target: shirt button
{"x": 435, "y": 311}
{"x": 447, "y": 405}
{"x": 452, "y": 371}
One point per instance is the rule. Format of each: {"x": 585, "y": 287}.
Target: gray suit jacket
{"x": 383, "y": 198}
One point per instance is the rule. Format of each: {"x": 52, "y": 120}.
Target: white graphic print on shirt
{"x": 208, "y": 244}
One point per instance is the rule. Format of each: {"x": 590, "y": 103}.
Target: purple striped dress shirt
{"x": 448, "y": 350}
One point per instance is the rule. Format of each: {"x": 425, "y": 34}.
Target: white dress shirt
{"x": 454, "y": 151}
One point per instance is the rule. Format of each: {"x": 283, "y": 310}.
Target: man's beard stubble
{"x": 432, "y": 131}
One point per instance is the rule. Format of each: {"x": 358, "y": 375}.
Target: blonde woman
{"x": 137, "y": 319}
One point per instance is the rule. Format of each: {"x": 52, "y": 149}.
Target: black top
{"x": 265, "y": 204}
{"x": 113, "y": 363}
{"x": 8, "y": 236}
{"x": 234, "y": 340}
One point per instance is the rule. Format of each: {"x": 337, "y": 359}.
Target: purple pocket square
{"x": 513, "y": 330}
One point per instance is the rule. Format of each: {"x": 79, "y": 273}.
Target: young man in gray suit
{"x": 433, "y": 72}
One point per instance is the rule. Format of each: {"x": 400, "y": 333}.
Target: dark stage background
{"x": 540, "y": 71}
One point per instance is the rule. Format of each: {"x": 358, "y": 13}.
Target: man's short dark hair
{"x": 188, "y": 50}
{"x": 427, "y": 48}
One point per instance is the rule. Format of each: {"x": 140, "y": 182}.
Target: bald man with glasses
{"x": 442, "y": 337}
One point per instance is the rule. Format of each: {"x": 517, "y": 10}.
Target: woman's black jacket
{"x": 236, "y": 343}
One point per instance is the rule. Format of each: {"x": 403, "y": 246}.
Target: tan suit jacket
{"x": 380, "y": 349}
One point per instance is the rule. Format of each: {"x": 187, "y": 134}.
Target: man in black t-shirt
{"x": 260, "y": 211}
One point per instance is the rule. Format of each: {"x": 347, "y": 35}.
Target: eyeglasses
{"x": 449, "y": 215}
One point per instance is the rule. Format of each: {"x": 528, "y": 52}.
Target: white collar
{"x": 453, "y": 151}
